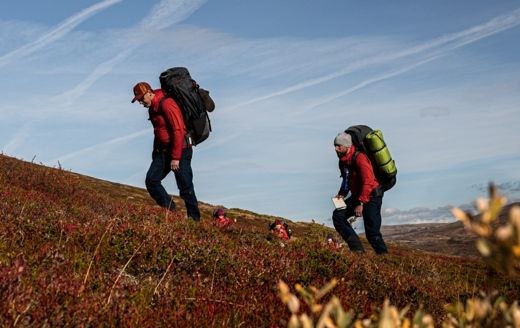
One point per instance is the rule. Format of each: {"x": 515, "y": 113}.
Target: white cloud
{"x": 57, "y": 33}
{"x": 100, "y": 146}
{"x": 441, "y": 44}
{"x": 166, "y": 13}
{"x": 19, "y": 138}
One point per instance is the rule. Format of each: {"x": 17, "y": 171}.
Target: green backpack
{"x": 372, "y": 143}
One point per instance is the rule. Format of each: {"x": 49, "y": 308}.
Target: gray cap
{"x": 343, "y": 139}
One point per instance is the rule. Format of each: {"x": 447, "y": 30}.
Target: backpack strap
{"x": 186, "y": 135}
{"x": 354, "y": 157}
{"x": 161, "y": 111}
{"x": 378, "y": 191}
{"x": 342, "y": 166}
{"x": 353, "y": 161}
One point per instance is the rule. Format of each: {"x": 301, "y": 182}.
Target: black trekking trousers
{"x": 371, "y": 220}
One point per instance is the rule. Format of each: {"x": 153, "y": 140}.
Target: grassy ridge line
{"x": 135, "y": 194}
{"x": 53, "y": 221}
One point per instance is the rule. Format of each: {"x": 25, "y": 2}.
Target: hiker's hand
{"x": 359, "y": 211}
{"x": 339, "y": 196}
{"x": 174, "y": 165}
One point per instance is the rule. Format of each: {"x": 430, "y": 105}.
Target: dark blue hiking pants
{"x": 371, "y": 219}
{"x": 159, "y": 169}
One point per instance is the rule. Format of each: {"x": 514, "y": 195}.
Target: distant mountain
{"x": 445, "y": 238}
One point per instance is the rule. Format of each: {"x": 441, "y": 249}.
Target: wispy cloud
{"x": 434, "y": 112}
{"x": 67, "y": 98}
{"x": 438, "y": 45}
{"x": 57, "y": 33}
{"x": 98, "y": 146}
{"x": 19, "y": 138}
{"x": 168, "y": 13}
{"x": 164, "y": 14}
{"x": 368, "y": 82}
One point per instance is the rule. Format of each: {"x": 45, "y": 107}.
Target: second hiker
{"x": 366, "y": 196}
{"x": 172, "y": 150}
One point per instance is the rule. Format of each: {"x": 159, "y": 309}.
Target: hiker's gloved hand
{"x": 174, "y": 165}
{"x": 359, "y": 210}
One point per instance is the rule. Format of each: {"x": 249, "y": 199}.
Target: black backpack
{"x": 195, "y": 102}
{"x": 382, "y": 163}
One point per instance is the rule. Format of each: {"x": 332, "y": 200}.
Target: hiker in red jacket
{"x": 220, "y": 219}
{"x": 366, "y": 196}
{"x": 171, "y": 149}
{"x": 332, "y": 243}
{"x": 279, "y": 229}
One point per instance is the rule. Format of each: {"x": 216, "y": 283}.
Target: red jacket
{"x": 281, "y": 232}
{"x": 222, "y": 222}
{"x": 361, "y": 178}
{"x": 168, "y": 125}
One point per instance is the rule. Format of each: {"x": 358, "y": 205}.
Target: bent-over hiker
{"x": 332, "y": 242}
{"x": 172, "y": 150}
{"x": 281, "y": 230}
{"x": 366, "y": 196}
{"x": 221, "y": 220}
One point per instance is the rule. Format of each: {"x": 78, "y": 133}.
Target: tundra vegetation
{"x": 76, "y": 251}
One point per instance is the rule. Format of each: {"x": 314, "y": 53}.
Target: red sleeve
{"x": 173, "y": 116}
{"x": 368, "y": 179}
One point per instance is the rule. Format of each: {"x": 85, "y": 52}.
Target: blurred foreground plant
{"x": 499, "y": 244}
{"x": 483, "y": 311}
{"x": 311, "y": 296}
{"x": 333, "y": 315}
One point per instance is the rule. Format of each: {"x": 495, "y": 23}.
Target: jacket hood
{"x": 159, "y": 94}
{"x": 348, "y": 156}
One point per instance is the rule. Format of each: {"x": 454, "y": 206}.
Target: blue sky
{"x": 441, "y": 79}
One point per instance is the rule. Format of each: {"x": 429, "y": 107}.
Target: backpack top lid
{"x": 358, "y": 134}
{"x": 176, "y": 72}
{"x": 173, "y": 76}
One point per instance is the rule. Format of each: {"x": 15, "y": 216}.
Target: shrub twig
{"x": 94, "y": 255}
{"x": 164, "y": 275}
{"x": 22, "y": 313}
{"x": 211, "y": 300}
{"x": 213, "y": 276}
{"x": 121, "y": 272}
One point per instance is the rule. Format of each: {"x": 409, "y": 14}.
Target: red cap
{"x": 140, "y": 89}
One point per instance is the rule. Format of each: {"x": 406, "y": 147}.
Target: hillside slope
{"x": 78, "y": 251}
